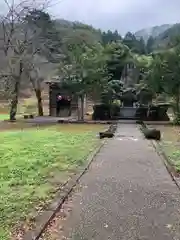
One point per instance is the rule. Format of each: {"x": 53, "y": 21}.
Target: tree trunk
{"x": 37, "y": 90}
{"x": 14, "y": 101}
{"x": 82, "y": 108}
{"x": 79, "y": 109}
{"x": 39, "y": 100}
{"x": 15, "y": 93}
{"x": 177, "y": 108}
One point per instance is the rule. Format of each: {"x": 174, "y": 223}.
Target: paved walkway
{"x": 127, "y": 194}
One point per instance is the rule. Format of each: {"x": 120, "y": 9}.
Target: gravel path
{"x": 126, "y": 195}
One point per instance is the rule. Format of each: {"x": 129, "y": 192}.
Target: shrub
{"x": 176, "y": 120}
{"x": 158, "y": 112}
{"x": 152, "y": 134}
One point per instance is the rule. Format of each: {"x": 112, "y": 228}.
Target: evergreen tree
{"x": 142, "y": 46}
{"x": 136, "y": 46}
{"x": 109, "y": 36}
{"x": 150, "y": 43}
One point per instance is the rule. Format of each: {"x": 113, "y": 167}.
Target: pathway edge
{"x": 166, "y": 163}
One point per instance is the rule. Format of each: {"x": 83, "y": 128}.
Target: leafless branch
{"x": 18, "y": 39}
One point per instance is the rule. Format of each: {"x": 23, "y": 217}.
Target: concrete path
{"x": 126, "y": 195}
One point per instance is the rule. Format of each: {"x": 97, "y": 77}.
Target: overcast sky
{"x": 124, "y": 15}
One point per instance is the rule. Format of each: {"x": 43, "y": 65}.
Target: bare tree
{"x": 33, "y": 74}
{"x": 20, "y": 42}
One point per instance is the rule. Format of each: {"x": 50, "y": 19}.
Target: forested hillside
{"x": 159, "y": 37}
{"x": 73, "y": 30}
{"x": 152, "y": 32}
{"x": 163, "y": 40}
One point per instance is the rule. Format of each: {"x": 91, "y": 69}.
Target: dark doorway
{"x": 63, "y": 106}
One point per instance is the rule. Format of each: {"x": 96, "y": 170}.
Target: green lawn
{"x": 170, "y": 144}
{"x": 4, "y": 116}
{"x": 33, "y": 163}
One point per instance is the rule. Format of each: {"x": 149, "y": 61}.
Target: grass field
{"x": 34, "y": 163}
{"x": 171, "y": 144}
{"x": 4, "y": 116}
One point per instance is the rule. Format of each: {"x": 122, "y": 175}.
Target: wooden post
{"x": 85, "y": 104}
{"x": 79, "y": 108}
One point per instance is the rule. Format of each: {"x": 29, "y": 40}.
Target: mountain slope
{"x": 73, "y": 30}
{"x": 153, "y": 31}
{"x": 163, "y": 40}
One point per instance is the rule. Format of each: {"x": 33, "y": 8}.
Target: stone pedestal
{"x": 128, "y": 112}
